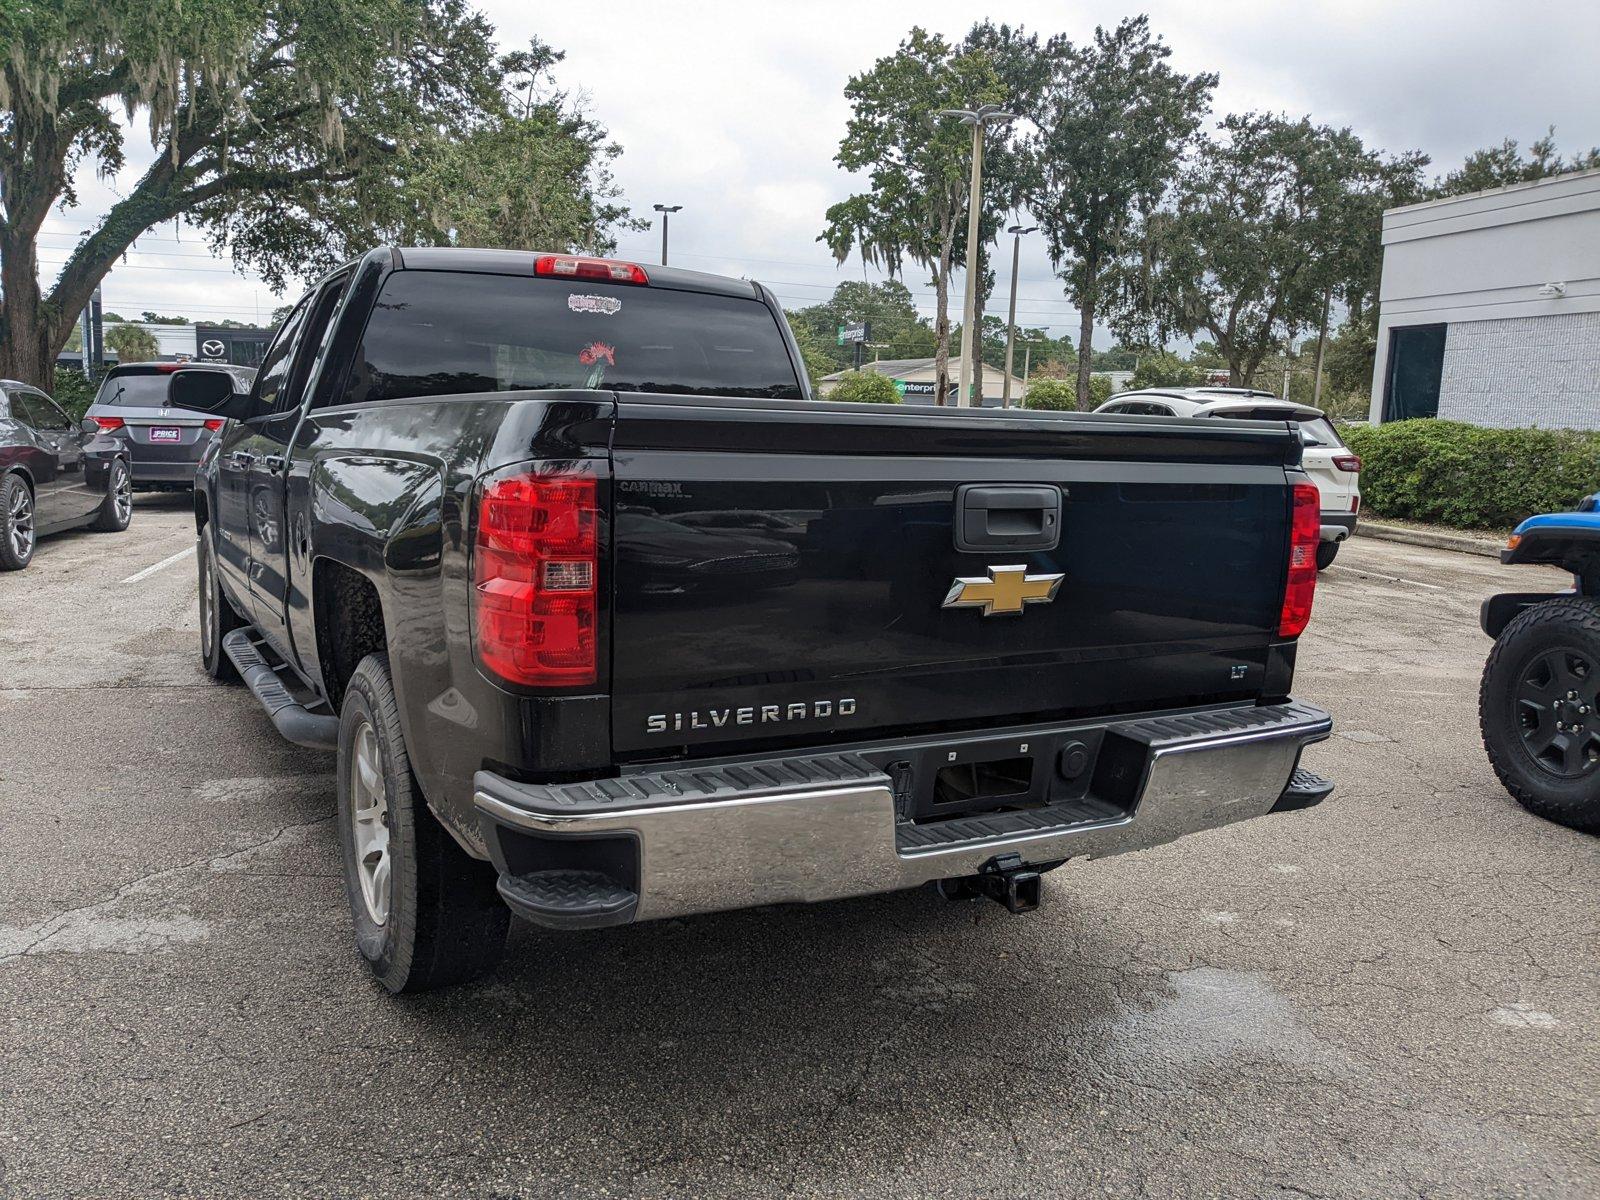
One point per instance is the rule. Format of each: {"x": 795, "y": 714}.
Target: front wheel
{"x": 1326, "y": 553}
{"x": 18, "y": 532}
{"x": 1539, "y": 711}
{"x": 427, "y": 914}
{"x": 116, "y": 510}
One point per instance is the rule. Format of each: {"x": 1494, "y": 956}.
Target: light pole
{"x": 1016, "y": 232}
{"x": 666, "y": 211}
{"x": 977, "y": 118}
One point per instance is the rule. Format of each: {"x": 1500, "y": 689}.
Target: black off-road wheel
{"x": 426, "y": 913}
{"x": 1539, "y": 710}
{"x": 1326, "y": 553}
{"x": 217, "y": 617}
{"x": 116, "y": 510}
{"x": 18, "y": 531}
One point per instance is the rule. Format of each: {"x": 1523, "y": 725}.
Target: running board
{"x": 294, "y": 720}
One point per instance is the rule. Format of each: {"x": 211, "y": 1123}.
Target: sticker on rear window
{"x": 585, "y": 302}
{"x": 595, "y": 351}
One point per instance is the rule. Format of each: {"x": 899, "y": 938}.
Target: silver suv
{"x": 165, "y": 443}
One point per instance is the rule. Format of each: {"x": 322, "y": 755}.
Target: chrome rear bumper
{"x": 711, "y": 838}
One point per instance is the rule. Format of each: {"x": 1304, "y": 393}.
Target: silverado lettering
{"x": 814, "y": 710}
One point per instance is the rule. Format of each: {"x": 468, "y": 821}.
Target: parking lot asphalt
{"x": 1394, "y": 994}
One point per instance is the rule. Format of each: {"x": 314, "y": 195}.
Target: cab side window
{"x": 318, "y": 333}
{"x": 274, "y": 374}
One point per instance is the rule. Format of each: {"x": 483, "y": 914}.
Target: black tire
{"x": 19, "y": 529}
{"x": 217, "y": 615}
{"x": 116, "y": 510}
{"x": 439, "y": 920}
{"x": 1326, "y": 553}
{"x": 1544, "y": 671}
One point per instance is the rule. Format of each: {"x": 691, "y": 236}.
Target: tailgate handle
{"x": 1008, "y": 516}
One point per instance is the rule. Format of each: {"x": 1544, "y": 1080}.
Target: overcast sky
{"x": 735, "y": 110}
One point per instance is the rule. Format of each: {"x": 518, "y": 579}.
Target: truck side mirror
{"x": 207, "y": 392}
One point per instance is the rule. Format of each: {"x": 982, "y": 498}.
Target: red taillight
{"x": 570, "y": 266}
{"x": 107, "y": 424}
{"x": 534, "y": 564}
{"x": 213, "y": 423}
{"x": 1347, "y": 462}
{"x": 1305, "y": 529}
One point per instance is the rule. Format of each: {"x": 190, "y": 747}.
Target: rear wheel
{"x": 18, "y": 531}
{"x": 217, "y": 617}
{"x": 1538, "y": 711}
{"x": 116, "y": 510}
{"x": 426, "y": 913}
{"x": 1326, "y": 553}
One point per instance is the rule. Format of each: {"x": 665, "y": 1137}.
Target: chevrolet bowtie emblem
{"x": 1005, "y": 591}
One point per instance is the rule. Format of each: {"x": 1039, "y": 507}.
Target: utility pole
{"x": 977, "y": 118}
{"x": 666, "y": 211}
{"x": 1016, "y": 232}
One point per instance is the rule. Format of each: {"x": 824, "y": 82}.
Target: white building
{"x": 1489, "y": 309}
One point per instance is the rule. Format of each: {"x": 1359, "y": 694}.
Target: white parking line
{"x": 154, "y": 567}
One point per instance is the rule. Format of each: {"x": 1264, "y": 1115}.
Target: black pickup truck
{"x": 608, "y": 620}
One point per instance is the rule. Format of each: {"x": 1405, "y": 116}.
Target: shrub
{"x": 1470, "y": 477}
{"x": 1058, "y": 394}
{"x": 865, "y": 387}
{"x": 73, "y": 392}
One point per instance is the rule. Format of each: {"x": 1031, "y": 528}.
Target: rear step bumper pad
{"x": 712, "y": 838}
{"x": 294, "y": 720}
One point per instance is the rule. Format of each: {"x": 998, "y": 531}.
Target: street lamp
{"x": 977, "y": 118}
{"x": 666, "y": 211}
{"x": 1016, "y": 232}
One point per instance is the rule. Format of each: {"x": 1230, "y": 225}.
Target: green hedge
{"x": 1469, "y": 477}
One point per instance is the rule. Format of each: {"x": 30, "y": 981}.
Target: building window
{"x": 1416, "y": 363}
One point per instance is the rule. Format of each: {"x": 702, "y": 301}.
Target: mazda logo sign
{"x": 213, "y": 349}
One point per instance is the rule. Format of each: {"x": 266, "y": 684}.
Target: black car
{"x": 164, "y": 443}
{"x": 55, "y": 474}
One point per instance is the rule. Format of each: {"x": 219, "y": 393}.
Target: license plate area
{"x": 991, "y": 775}
{"x": 165, "y": 433}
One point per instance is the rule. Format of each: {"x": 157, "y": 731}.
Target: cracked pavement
{"x": 1392, "y": 995}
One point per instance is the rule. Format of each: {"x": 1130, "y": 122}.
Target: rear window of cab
{"x": 441, "y": 333}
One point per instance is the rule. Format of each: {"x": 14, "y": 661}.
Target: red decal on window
{"x": 595, "y": 351}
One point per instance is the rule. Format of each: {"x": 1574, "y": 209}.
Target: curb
{"x": 1461, "y": 543}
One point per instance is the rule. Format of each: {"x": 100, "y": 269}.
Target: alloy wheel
{"x": 21, "y": 523}
{"x": 122, "y": 494}
{"x": 369, "y": 820}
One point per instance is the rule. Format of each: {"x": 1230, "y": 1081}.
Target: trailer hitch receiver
{"x": 1009, "y": 881}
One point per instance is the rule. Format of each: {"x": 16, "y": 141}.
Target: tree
{"x": 155, "y": 318}
{"x": 887, "y": 307}
{"x": 133, "y": 343}
{"x": 282, "y": 130}
{"x": 1162, "y": 368}
{"x": 916, "y": 162}
{"x": 1261, "y": 228}
{"x": 1351, "y": 355}
{"x": 812, "y": 352}
{"x": 1499, "y": 166}
{"x": 865, "y": 387}
{"x": 535, "y": 175}
{"x": 1114, "y": 121}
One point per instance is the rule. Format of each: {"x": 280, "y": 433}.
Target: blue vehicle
{"x": 1539, "y": 706}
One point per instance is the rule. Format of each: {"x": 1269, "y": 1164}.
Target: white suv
{"x": 1325, "y": 458}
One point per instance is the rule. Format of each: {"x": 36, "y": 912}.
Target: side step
{"x": 294, "y": 720}
{"x": 1306, "y": 789}
{"x": 565, "y": 899}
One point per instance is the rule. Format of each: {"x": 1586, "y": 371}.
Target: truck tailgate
{"x": 789, "y": 573}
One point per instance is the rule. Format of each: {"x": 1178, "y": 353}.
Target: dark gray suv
{"x": 165, "y": 443}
